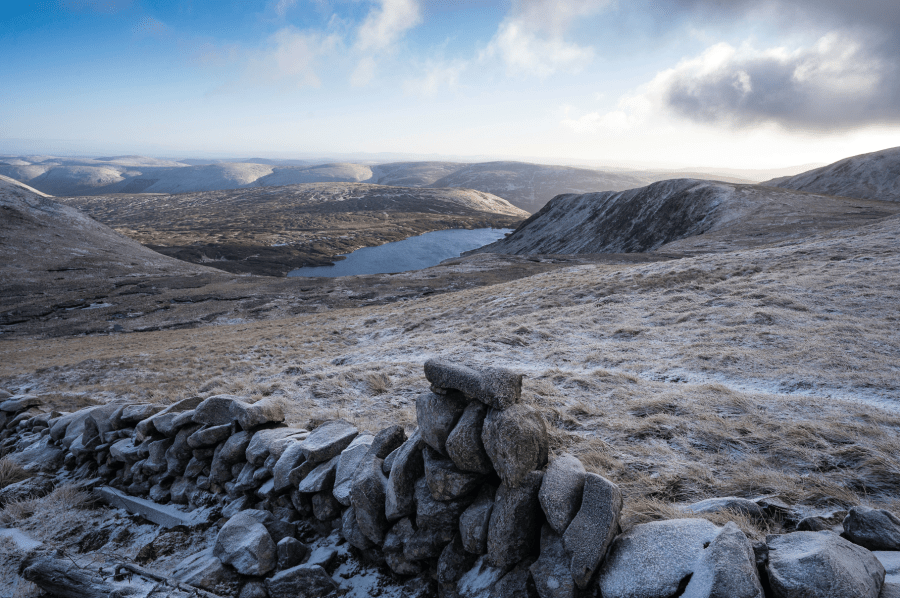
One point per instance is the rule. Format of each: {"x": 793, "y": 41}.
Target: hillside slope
{"x": 869, "y": 176}
{"x": 700, "y": 215}
{"x": 530, "y": 186}
{"x": 273, "y": 230}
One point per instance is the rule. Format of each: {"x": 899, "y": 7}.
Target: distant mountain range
{"x": 525, "y": 185}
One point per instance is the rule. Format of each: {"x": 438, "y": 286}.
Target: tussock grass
{"x": 48, "y": 514}
{"x": 11, "y": 472}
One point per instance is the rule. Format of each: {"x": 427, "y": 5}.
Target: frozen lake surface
{"x": 413, "y": 253}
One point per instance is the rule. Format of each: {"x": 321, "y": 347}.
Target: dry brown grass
{"x": 49, "y": 515}
{"x": 772, "y": 371}
{"x": 11, "y": 472}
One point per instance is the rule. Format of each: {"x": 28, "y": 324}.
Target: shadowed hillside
{"x": 700, "y": 215}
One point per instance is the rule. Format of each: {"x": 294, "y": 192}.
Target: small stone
{"x": 445, "y": 481}
{"x": 561, "y": 491}
{"x": 267, "y": 411}
{"x": 20, "y": 404}
{"x": 146, "y": 427}
{"x": 478, "y": 581}
{"x": 350, "y": 531}
{"x": 517, "y": 583}
{"x": 292, "y": 457}
{"x": 210, "y": 436}
{"x": 291, "y": 552}
{"x": 551, "y": 572}
{"x": 321, "y": 478}
{"x": 386, "y": 441}
{"x": 436, "y": 416}
{"x": 202, "y": 570}
{"x": 464, "y": 444}
{"x": 302, "y": 581}
{"x": 875, "y": 529}
{"x": 263, "y": 441}
{"x": 822, "y": 565}
{"x": 245, "y": 544}
{"x": 328, "y": 440}
{"x": 496, "y": 387}
{"x": 516, "y": 440}
{"x": 395, "y": 541}
{"x": 515, "y": 521}
{"x": 254, "y": 588}
{"x": 349, "y": 460}
{"x": 454, "y": 562}
{"x": 389, "y": 461}
{"x": 592, "y": 530}
{"x": 729, "y": 503}
{"x": 325, "y": 507}
{"x": 474, "y": 522}
{"x": 408, "y": 467}
{"x": 368, "y": 495}
{"x": 216, "y": 410}
{"x": 132, "y": 414}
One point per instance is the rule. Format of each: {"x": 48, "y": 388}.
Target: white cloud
{"x": 386, "y": 24}
{"x": 532, "y": 38}
{"x": 291, "y": 57}
{"x": 524, "y": 51}
{"x": 282, "y": 6}
{"x": 364, "y": 72}
{"x": 437, "y": 77}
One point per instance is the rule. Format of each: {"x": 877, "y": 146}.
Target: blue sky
{"x": 679, "y": 83}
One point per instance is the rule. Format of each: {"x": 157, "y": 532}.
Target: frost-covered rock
{"x": 291, "y": 552}
{"x": 408, "y": 467}
{"x": 368, "y": 495}
{"x": 436, "y": 416}
{"x": 551, "y": 572}
{"x": 210, "y": 436}
{"x": 561, "y": 491}
{"x": 351, "y": 532}
{"x": 267, "y": 411}
{"x": 464, "y": 444}
{"x": 478, "y": 581}
{"x": 216, "y": 410}
{"x": 349, "y": 460}
{"x": 496, "y": 387}
{"x": 652, "y": 559}
{"x": 453, "y": 563}
{"x": 202, "y": 570}
{"x": 516, "y": 441}
{"x": 445, "y": 481}
{"x": 245, "y": 544}
{"x": 395, "y": 542}
{"x": 474, "y": 522}
{"x": 592, "y": 530}
{"x": 328, "y": 440}
{"x": 875, "y": 529}
{"x": 822, "y": 565}
{"x": 302, "y": 581}
{"x": 726, "y": 568}
{"x": 290, "y": 458}
{"x": 321, "y": 478}
{"x": 515, "y": 521}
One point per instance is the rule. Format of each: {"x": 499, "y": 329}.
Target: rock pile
{"x": 469, "y": 504}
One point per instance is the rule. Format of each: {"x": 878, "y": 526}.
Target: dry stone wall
{"x": 469, "y": 504}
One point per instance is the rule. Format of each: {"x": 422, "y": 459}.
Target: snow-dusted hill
{"x": 530, "y": 186}
{"x": 869, "y": 176}
{"x": 685, "y": 215}
{"x": 40, "y": 236}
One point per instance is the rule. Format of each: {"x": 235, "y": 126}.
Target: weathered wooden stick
{"x": 161, "y": 578}
{"x": 61, "y": 578}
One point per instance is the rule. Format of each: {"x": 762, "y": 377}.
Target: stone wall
{"x": 468, "y": 504}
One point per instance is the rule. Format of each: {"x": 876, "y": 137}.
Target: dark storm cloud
{"x": 850, "y": 78}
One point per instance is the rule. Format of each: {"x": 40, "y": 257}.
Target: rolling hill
{"x": 683, "y": 215}
{"x": 870, "y": 176}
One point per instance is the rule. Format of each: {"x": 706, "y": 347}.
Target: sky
{"x": 727, "y": 83}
